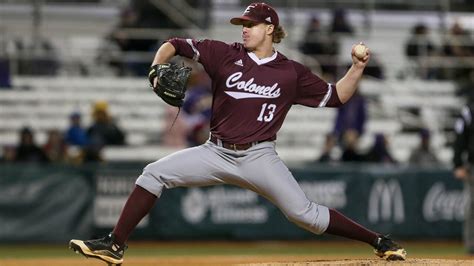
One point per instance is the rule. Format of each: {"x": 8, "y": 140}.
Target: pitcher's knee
{"x": 314, "y": 218}
{"x": 150, "y": 180}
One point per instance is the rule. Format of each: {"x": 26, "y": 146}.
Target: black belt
{"x": 232, "y": 146}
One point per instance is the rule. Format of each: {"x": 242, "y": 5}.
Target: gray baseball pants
{"x": 258, "y": 169}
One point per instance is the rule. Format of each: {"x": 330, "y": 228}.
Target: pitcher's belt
{"x": 232, "y": 146}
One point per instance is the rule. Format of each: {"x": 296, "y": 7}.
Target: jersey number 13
{"x": 266, "y": 113}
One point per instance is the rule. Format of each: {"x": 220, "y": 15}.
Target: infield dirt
{"x": 240, "y": 253}
{"x": 234, "y": 260}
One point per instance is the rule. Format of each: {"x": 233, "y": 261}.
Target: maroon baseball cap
{"x": 257, "y": 12}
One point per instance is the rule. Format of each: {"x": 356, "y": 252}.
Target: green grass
{"x": 415, "y": 249}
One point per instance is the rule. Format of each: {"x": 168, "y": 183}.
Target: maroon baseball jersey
{"x": 252, "y": 96}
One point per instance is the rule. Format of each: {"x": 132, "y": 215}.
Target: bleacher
{"x": 396, "y": 106}
{"x": 45, "y": 103}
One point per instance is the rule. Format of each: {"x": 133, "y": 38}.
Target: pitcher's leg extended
{"x": 277, "y": 184}
{"x": 190, "y": 167}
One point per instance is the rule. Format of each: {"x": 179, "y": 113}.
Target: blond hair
{"x": 279, "y": 34}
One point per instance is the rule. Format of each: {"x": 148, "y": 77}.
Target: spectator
{"x": 122, "y": 38}
{"x": 321, "y": 46}
{"x": 91, "y": 153}
{"x": 459, "y": 42}
{"x": 5, "y": 75}
{"x": 197, "y": 108}
{"x": 314, "y": 42}
{"x": 38, "y": 58}
{"x": 423, "y": 155}
{"x": 104, "y": 130}
{"x": 148, "y": 14}
{"x": 419, "y": 43}
{"x": 5, "y": 71}
{"x": 340, "y": 23}
{"x": 351, "y": 116}
{"x": 465, "y": 87}
{"x": 27, "y": 150}
{"x": 375, "y": 68}
{"x": 76, "y": 134}
{"x": 175, "y": 129}
{"x": 8, "y": 154}
{"x": 379, "y": 152}
{"x": 327, "y": 155}
{"x": 55, "y": 147}
{"x": 350, "y": 152}
{"x": 459, "y": 45}
{"x": 418, "y": 48}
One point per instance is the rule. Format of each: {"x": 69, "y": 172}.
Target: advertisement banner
{"x": 40, "y": 203}
{"x": 56, "y": 203}
{"x": 408, "y": 203}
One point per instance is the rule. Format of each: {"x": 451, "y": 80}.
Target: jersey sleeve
{"x": 206, "y": 52}
{"x": 313, "y": 91}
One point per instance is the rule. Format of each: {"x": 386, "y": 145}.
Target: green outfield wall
{"x": 55, "y": 203}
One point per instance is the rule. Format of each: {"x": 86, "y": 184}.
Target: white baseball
{"x": 360, "y": 51}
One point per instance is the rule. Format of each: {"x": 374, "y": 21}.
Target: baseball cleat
{"x": 103, "y": 249}
{"x": 387, "y": 249}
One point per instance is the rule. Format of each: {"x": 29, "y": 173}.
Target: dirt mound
{"x": 359, "y": 262}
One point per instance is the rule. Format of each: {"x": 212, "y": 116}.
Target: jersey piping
{"x": 259, "y": 61}
{"x": 326, "y": 97}
{"x": 196, "y": 52}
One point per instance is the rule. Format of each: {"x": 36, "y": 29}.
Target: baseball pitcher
{"x": 253, "y": 86}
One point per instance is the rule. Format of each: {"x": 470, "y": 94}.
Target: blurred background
{"x": 78, "y": 120}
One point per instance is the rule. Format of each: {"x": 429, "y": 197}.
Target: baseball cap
{"x": 75, "y": 114}
{"x": 424, "y": 133}
{"x": 101, "y": 105}
{"x": 257, "y": 12}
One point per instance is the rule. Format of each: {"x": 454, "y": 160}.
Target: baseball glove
{"x": 172, "y": 81}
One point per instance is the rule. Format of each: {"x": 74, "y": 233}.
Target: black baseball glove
{"x": 172, "y": 81}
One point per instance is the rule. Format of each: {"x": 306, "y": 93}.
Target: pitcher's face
{"x": 255, "y": 34}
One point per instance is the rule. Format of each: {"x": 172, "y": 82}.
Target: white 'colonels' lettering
{"x": 251, "y": 89}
